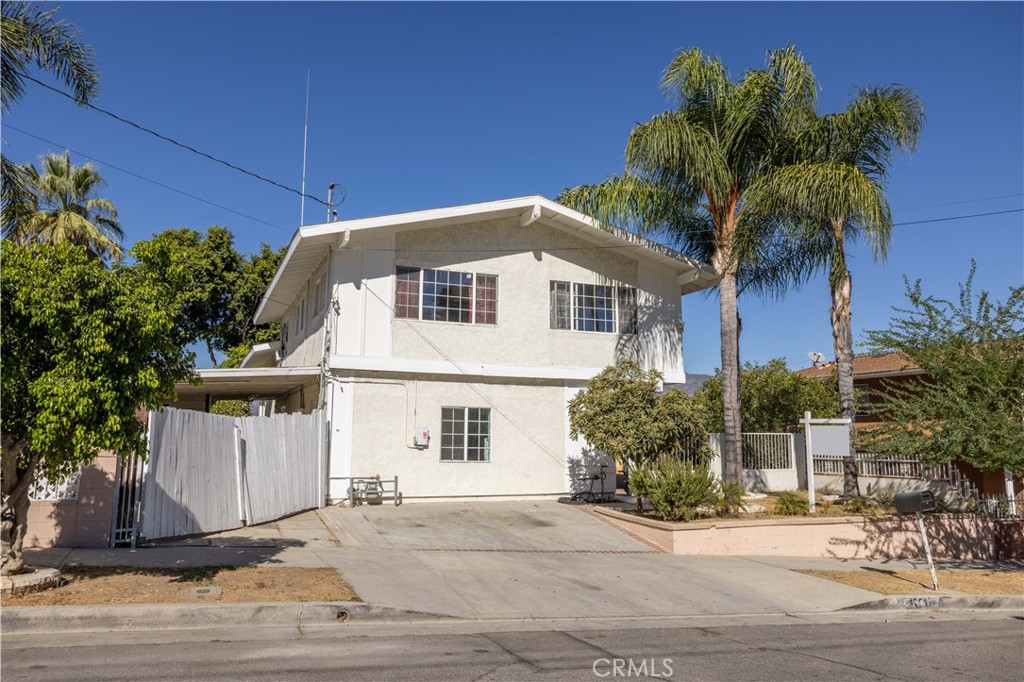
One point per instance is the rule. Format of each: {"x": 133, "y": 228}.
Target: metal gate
{"x": 209, "y": 473}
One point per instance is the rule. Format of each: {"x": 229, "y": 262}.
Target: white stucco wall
{"x": 528, "y": 437}
{"x": 536, "y": 255}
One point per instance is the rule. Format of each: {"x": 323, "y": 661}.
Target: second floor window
{"x": 593, "y": 307}
{"x": 446, "y": 296}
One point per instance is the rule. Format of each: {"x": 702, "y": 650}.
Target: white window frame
{"x": 465, "y": 434}
{"x": 473, "y": 296}
{"x": 575, "y": 319}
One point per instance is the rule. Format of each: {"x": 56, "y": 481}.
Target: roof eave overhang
{"x": 693, "y": 275}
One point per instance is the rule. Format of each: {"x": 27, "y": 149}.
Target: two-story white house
{"x": 444, "y": 344}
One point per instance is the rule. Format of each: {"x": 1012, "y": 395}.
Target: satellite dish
{"x": 816, "y": 357}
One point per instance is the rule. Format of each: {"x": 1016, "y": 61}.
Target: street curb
{"x": 934, "y": 602}
{"x": 21, "y": 620}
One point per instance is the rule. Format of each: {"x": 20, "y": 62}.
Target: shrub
{"x": 791, "y": 504}
{"x": 730, "y": 501}
{"x": 675, "y": 488}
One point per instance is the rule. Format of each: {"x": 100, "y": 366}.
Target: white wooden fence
{"x": 209, "y": 473}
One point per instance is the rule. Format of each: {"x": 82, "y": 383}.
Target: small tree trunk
{"x": 732, "y": 448}
{"x": 14, "y": 506}
{"x": 842, "y": 340}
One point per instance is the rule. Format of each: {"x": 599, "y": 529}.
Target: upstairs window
{"x": 593, "y": 307}
{"x": 446, "y": 296}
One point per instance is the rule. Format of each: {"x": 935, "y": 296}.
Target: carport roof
{"x": 244, "y": 384}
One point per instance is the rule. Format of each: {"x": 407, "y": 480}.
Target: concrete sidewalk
{"x": 503, "y": 560}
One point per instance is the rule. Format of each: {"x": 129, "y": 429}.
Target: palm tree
{"x": 28, "y": 36}
{"x": 61, "y": 208}
{"x": 836, "y": 182}
{"x": 688, "y": 173}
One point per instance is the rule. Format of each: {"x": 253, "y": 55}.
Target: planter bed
{"x": 952, "y": 536}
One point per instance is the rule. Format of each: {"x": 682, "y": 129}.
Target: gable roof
{"x": 306, "y": 249}
{"x": 868, "y": 367}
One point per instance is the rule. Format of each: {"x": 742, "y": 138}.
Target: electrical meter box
{"x": 421, "y": 438}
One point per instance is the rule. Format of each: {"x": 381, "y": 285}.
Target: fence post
{"x": 809, "y": 453}
{"x": 239, "y": 472}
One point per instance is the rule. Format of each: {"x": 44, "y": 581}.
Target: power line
{"x": 175, "y": 142}
{"x": 965, "y": 201}
{"x": 150, "y": 180}
{"x": 959, "y": 217}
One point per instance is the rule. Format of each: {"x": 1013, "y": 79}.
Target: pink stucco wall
{"x": 84, "y": 522}
{"x": 950, "y": 536}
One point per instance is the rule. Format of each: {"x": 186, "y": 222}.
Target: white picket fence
{"x": 209, "y": 473}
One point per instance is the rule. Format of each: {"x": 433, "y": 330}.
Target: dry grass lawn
{"x": 124, "y": 585}
{"x": 920, "y": 582}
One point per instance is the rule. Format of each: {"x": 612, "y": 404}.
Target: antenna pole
{"x": 305, "y": 137}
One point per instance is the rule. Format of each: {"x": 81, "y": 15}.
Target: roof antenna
{"x": 305, "y": 137}
{"x": 816, "y": 357}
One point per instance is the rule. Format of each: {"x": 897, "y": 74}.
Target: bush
{"x": 675, "y": 488}
{"x": 730, "y": 501}
{"x": 791, "y": 504}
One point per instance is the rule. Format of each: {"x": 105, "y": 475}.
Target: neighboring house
{"x": 444, "y": 344}
{"x": 870, "y": 375}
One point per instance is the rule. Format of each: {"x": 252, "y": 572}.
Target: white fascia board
{"x": 473, "y": 369}
{"x": 257, "y": 372}
{"x": 294, "y": 244}
{"x": 260, "y": 349}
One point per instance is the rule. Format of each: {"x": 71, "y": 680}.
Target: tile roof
{"x": 866, "y": 366}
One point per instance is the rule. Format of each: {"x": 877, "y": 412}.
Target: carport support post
{"x": 927, "y": 551}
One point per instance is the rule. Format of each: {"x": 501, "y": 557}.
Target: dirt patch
{"x": 920, "y": 582}
{"x": 127, "y": 585}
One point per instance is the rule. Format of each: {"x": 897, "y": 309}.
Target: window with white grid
{"x": 446, "y": 296}
{"x": 465, "y": 434}
{"x": 593, "y": 307}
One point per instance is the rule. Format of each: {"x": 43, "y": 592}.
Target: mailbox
{"x": 916, "y": 502}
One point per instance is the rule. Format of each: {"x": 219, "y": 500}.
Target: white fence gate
{"x": 209, "y": 473}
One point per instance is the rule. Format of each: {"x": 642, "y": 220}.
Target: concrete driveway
{"x": 548, "y": 560}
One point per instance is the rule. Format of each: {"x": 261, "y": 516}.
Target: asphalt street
{"x": 979, "y": 646}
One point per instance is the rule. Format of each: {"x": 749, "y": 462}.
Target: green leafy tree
{"x": 84, "y": 347}
{"x": 970, "y": 405}
{"x": 689, "y": 172}
{"x": 239, "y": 334}
{"x": 624, "y": 414}
{"x": 30, "y": 37}
{"x": 772, "y": 398}
{"x": 61, "y": 207}
{"x": 836, "y": 182}
{"x": 201, "y": 271}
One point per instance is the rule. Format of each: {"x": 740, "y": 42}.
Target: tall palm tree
{"x": 688, "y": 173}
{"x": 30, "y": 36}
{"x": 62, "y": 208}
{"x": 836, "y": 182}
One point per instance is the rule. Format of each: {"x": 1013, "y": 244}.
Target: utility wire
{"x": 175, "y": 142}
{"x": 149, "y": 180}
{"x": 956, "y": 203}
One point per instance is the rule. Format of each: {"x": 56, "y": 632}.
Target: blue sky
{"x": 423, "y": 105}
